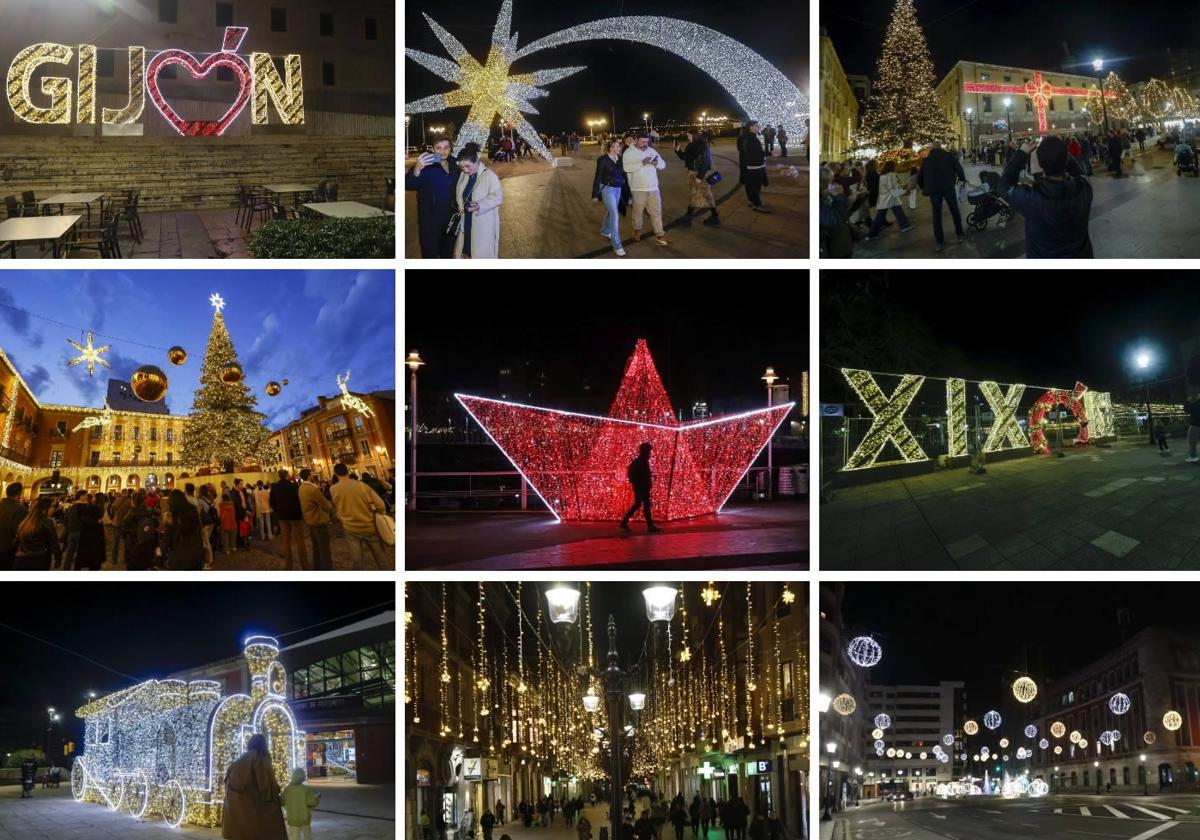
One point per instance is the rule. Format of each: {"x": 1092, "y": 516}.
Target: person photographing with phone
{"x": 1057, "y": 207}
{"x": 434, "y": 178}
{"x": 642, "y": 164}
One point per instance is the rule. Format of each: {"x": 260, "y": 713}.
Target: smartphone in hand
{"x": 429, "y": 158}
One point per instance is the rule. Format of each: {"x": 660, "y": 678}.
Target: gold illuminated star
{"x": 89, "y": 354}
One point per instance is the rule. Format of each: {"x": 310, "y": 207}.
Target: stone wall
{"x": 194, "y": 173}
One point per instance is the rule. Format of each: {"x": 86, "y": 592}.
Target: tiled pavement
{"x": 1163, "y": 203}
{"x": 204, "y": 235}
{"x": 1121, "y": 507}
{"x": 549, "y": 212}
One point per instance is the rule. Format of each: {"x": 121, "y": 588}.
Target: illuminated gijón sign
{"x": 258, "y": 81}
{"x": 1093, "y": 410}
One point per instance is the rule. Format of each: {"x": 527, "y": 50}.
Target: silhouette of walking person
{"x": 639, "y": 476}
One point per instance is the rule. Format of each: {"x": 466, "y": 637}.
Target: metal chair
{"x": 15, "y": 210}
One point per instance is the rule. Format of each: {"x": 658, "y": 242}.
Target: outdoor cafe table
{"x": 281, "y": 189}
{"x": 62, "y": 199}
{"x": 37, "y": 229}
{"x": 346, "y": 209}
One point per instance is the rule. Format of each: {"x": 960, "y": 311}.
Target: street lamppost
{"x": 407, "y": 120}
{"x": 1097, "y": 766}
{"x": 770, "y": 378}
{"x": 830, "y": 749}
{"x": 1143, "y": 360}
{"x": 646, "y": 120}
{"x": 1145, "y": 778}
{"x": 971, "y": 128}
{"x": 1008, "y": 115}
{"x": 1098, "y": 65}
{"x": 52, "y": 717}
{"x": 413, "y": 361}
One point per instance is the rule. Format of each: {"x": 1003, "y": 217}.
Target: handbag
{"x": 455, "y": 221}
{"x": 713, "y": 178}
{"x": 385, "y": 526}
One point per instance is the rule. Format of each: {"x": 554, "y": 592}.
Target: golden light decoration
{"x": 177, "y": 355}
{"x": 58, "y": 88}
{"x": 1005, "y": 428}
{"x": 1172, "y": 721}
{"x": 1024, "y": 689}
{"x": 1058, "y": 750}
{"x": 844, "y": 704}
{"x": 148, "y": 383}
{"x": 132, "y": 111}
{"x": 85, "y": 98}
{"x": 1003, "y": 743}
{"x": 286, "y": 94}
{"x": 232, "y": 373}
{"x": 1082, "y": 743}
{"x": 710, "y": 594}
{"x": 971, "y": 727}
{"x": 1058, "y": 729}
{"x": 89, "y": 353}
{"x": 273, "y": 389}
{"x": 789, "y": 597}
{"x": 1150, "y": 737}
{"x": 1075, "y": 736}
{"x": 888, "y": 419}
{"x": 685, "y": 655}
{"x": 956, "y": 417}
{"x": 876, "y": 734}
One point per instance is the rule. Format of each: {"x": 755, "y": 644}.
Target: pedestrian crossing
{"x": 1123, "y": 811}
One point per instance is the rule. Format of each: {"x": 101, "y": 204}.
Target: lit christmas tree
{"x": 223, "y": 429}
{"x": 1123, "y": 108}
{"x": 903, "y": 111}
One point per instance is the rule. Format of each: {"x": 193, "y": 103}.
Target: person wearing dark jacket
{"x": 735, "y": 820}
{"x": 487, "y": 822}
{"x": 285, "y": 502}
{"x": 939, "y": 173}
{"x": 640, "y": 477}
{"x": 37, "y": 540}
{"x": 184, "y": 538}
{"x": 697, "y": 160}
{"x": 11, "y": 514}
{"x": 92, "y": 548}
{"x": 1056, "y": 208}
{"x": 434, "y": 178}
{"x": 1192, "y": 407}
{"x": 610, "y": 187}
{"x": 1114, "y": 153}
{"x": 141, "y": 531}
{"x": 752, "y": 161}
{"x": 679, "y": 818}
{"x": 74, "y": 528}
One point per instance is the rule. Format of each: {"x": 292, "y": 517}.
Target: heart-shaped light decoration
{"x": 199, "y": 69}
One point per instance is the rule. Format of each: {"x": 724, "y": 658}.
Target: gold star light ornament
{"x": 488, "y": 89}
{"x": 89, "y": 354}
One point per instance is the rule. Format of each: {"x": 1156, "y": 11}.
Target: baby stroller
{"x": 1185, "y": 161}
{"x": 985, "y": 201}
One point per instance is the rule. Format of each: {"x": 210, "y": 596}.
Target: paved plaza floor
{"x": 557, "y": 830}
{"x": 1148, "y": 214}
{"x": 347, "y": 812}
{"x": 549, "y": 212}
{"x": 1121, "y": 507}
{"x": 743, "y": 536}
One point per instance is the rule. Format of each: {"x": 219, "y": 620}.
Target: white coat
{"x": 889, "y": 191}
{"x": 485, "y": 226}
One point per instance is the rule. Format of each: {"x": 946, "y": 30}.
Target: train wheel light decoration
{"x": 161, "y": 748}
{"x": 576, "y": 463}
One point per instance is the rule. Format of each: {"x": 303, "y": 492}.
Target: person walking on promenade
{"x": 284, "y": 499}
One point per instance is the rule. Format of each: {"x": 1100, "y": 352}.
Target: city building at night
{"x": 332, "y": 432}
{"x": 841, "y": 738}
{"x": 921, "y": 715}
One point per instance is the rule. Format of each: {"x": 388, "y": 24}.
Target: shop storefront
{"x": 330, "y": 754}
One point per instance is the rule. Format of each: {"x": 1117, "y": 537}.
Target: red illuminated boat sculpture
{"x": 576, "y": 462}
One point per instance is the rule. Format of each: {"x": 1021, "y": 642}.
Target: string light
{"x": 992, "y": 720}
{"x": 1045, "y": 403}
{"x": 226, "y": 58}
{"x": 1149, "y": 737}
{"x": 1039, "y": 91}
{"x": 1119, "y": 703}
{"x": 132, "y": 111}
{"x": 1172, "y": 721}
{"x": 1075, "y": 736}
{"x": 971, "y": 727}
{"x": 844, "y": 705}
{"x": 864, "y": 651}
{"x": 85, "y": 100}
{"x": 444, "y": 679}
{"x": 956, "y": 417}
{"x": 883, "y": 721}
{"x": 576, "y": 463}
{"x": 1024, "y": 689}
{"x": 888, "y": 423}
{"x": 788, "y": 596}
{"x": 89, "y": 353}
{"x": 710, "y": 594}
{"x": 58, "y": 88}
{"x": 286, "y": 94}
{"x": 1058, "y": 729}
{"x": 1005, "y": 428}
{"x": 1031, "y": 731}
{"x": 1044, "y": 744}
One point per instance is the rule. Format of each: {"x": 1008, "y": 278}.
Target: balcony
{"x": 14, "y": 455}
{"x": 55, "y": 434}
{"x": 340, "y": 434}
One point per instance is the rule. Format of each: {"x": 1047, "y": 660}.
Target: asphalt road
{"x": 990, "y": 818}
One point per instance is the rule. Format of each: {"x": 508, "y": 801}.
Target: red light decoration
{"x": 199, "y": 69}
{"x": 576, "y": 462}
{"x": 1037, "y": 416}
{"x": 1036, "y": 89}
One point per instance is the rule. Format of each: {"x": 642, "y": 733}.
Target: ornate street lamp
{"x": 563, "y": 604}
{"x": 413, "y": 362}
{"x": 660, "y": 602}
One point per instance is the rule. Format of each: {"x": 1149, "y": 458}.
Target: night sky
{"x": 305, "y": 326}
{"x": 984, "y": 633}
{"x": 709, "y": 339}
{"x": 1048, "y": 329}
{"x": 634, "y": 78}
{"x": 149, "y": 630}
{"x": 1131, "y": 37}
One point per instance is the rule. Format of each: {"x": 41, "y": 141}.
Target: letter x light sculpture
{"x": 576, "y": 462}
{"x": 1036, "y": 89}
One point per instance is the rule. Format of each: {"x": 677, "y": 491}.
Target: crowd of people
{"x": 459, "y": 196}
{"x": 1046, "y": 180}
{"x": 186, "y": 528}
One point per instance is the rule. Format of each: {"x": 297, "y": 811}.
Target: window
{"x": 1070, "y": 103}
{"x": 366, "y": 448}
{"x": 170, "y": 435}
{"x": 1008, "y": 78}
{"x": 61, "y": 428}
{"x": 169, "y": 460}
{"x": 327, "y": 24}
{"x": 133, "y": 462}
{"x": 278, "y": 19}
{"x": 94, "y": 459}
{"x": 1028, "y": 105}
{"x": 56, "y": 459}
{"x": 154, "y": 433}
{"x": 786, "y": 692}
{"x": 168, "y": 11}
{"x": 327, "y": 73}
{"x": 137, "y": 432}
{"x": 1051, "y": 103}
{"x": 106, "y": 64}
{"x": 116, "y": 461}
{"x": 359, "y": 428}
{"x": 224, "y": 14}
{"x": 987, "y": 103}
{"x": 153, "y": 458}
{"x": 97, "y": 432}
{"x": 1125, "y": 775}
{"x": 372, "y": 29}
{"x": 117, "y": 431}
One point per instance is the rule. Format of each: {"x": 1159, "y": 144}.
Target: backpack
{"x": 145, "y": 533}
{"x": 210, "y": 517}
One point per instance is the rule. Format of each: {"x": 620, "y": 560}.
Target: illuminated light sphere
{"x": 877, "y": 733}
{"x": 979, "y": 757}
{"x": 1058, "y": 729}
{"x": 883, "y": 721}
{"x": 1004, "y": 757}
{"x": 962, "y": 756}
{"x": 1003, "y": 743}
{"x": 148, "y": 383}
{"x": 864, "y": 651}
{"x": 1116, "y": 735}
{"x": 971, "y": 727}
{"x": 1075, "y": 736}
{"x": 1058, "y": 750}
{"x": 1020, "y": 753}
{"x": 1038, "y": 788}
{"x": 1119, "y": 703}
{"x": 844, "y": 704}
{"x": 879, "y": 745}
{"x": 177, "y": 355}
{"x": 1044, "y": 744}
{"x": 945, "y": 759}
{"x": 924, "y": 756}
{"x": 1082, "y": 743}
{"x": 1172, "y": 721}
{"x": 879, "y": 752}
{"x": 948, "y": 739}
{"x": 273, "y": 389}
{"x": 1149, "y": 737}
{"x": 232, "y": 373}
{"x": 908, "y": 755}
{"x": 1031, "y": 731}
{"x": 577, "y": 463}
{"x": 985, "y": 752}
{"x": 891, "y": 752}
{"x": 992, "y": 720}
{"x": 1024, "y": 689}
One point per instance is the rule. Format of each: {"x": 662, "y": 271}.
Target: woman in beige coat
{"x": 478, "y": 195}
{"x": 252, "y": 804}
{"x": 891, "y": 197}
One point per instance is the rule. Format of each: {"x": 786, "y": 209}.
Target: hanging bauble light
{"x": 1172, "y": 721}
{"x": 148, "y": 383}
{"x": 1119, "y": 703}
{"x": 844, "y": 704}
{"x": 992, "y": 720}
{"x": 273, "y": 389}
{"x": 232, "y": 373}
{"x": 1031, "y": 731}
{"x": 176, "y": 355}
{"x": 1075, "y": 736}
{"x": 1044, "y": 744}
{"x": 877, "y": 733}
{"x": 1003, "y": 743}
{"x": 1058, "y": 750}
{"x": 948, "y": 739}
{"x": 1058, "y": 729}
{"x": 1024, "y": 689}
{"x": 1149, "y": 737}
{"x": 883, "y": 721}
{"x": 864, "y": 651}
{"x": 971, "y": 727}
